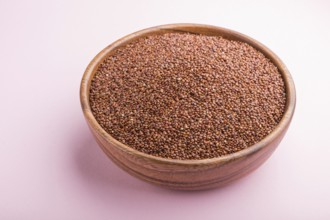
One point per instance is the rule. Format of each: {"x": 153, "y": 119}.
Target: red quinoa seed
{"x": 187, "y": 96}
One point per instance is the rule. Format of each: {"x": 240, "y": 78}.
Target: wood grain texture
{"x": 188, "y": 174}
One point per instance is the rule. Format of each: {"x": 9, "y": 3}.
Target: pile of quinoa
{"x": 187, "y": 96}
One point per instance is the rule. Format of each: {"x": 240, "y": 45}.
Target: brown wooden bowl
{"x": 188, "y": 174}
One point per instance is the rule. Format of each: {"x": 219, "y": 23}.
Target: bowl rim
{"x": 189, "y": 27}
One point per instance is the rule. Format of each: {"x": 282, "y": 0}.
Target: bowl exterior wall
{"x": 182, "y": 176}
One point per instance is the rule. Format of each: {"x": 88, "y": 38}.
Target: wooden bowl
{"x": 188, "y": 174}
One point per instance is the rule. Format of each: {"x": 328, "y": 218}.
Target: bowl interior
{"x": 195, "y": 29}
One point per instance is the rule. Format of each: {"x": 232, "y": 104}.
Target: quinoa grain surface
{"x": 187, "y": 96}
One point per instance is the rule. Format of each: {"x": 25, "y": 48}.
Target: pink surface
{"x": 50, "y": 166}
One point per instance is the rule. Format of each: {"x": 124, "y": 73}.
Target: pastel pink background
{"x": 50, "y": 166}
